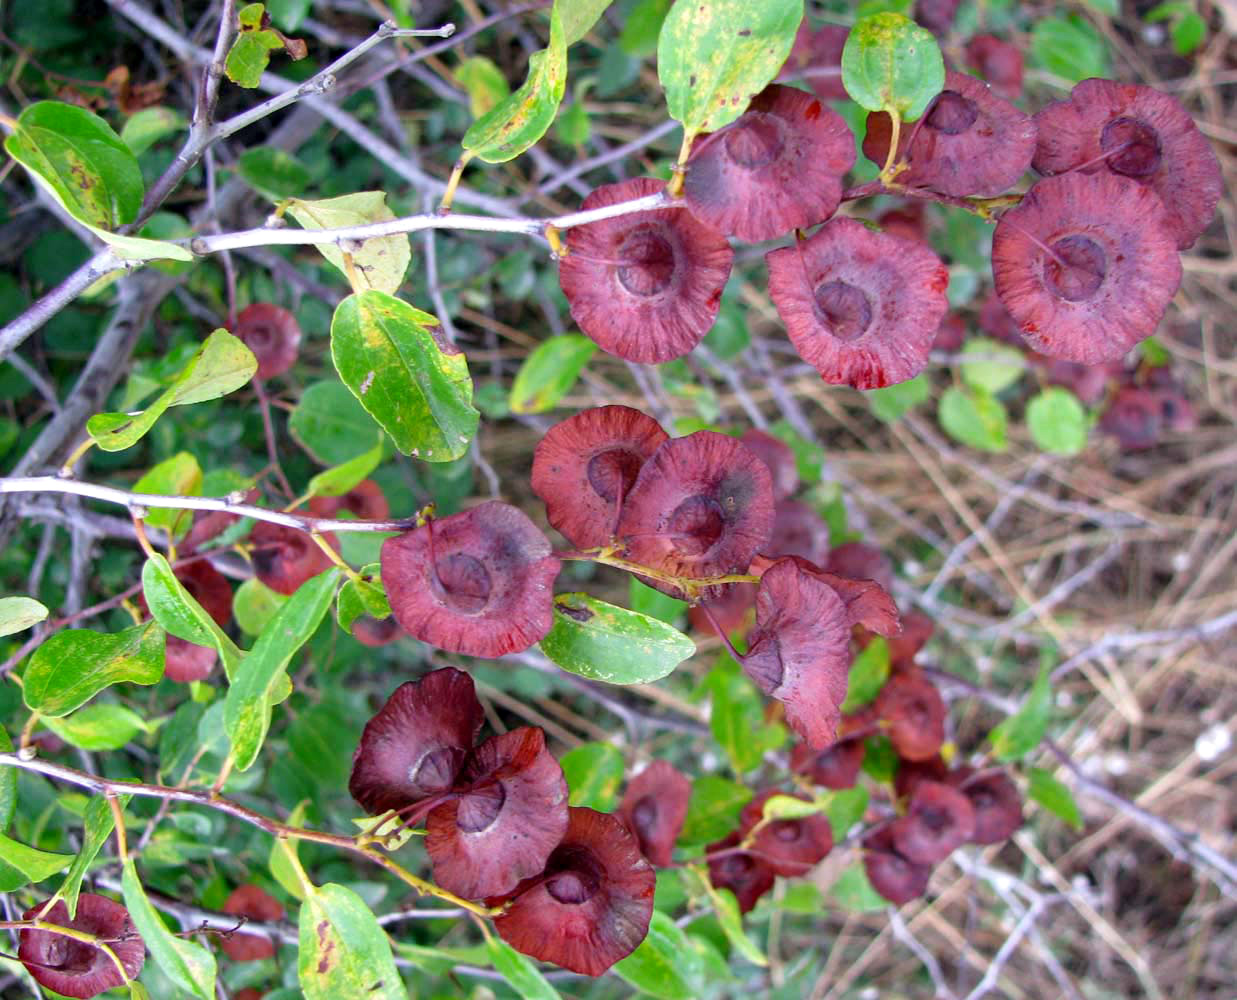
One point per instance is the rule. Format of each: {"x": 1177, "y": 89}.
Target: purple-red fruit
{"x": 254, "y": 902}
{"x": 273, "y": 334}
{"x": 284, "y": 558}
{"x": 75, "y": 968}
{"x": 654, "y": 808}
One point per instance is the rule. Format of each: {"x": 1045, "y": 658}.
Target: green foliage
{"x": 1022, "y": 732}
{"x": 854, "y": 892}
{"x": 144, "y": 128}
{"x": 379, "y": 263}
{"x": 189, "y": 965}
{"x": 331, "y": 424}
{"x": 976, "y": 418}
{"x": 868, "y": 674}
{"x": 548, "y": 374}
{"x": 1069, "y": 47}
{"x": 607, "y": 643}
{"x": 519, "y": 972}
{"x": 662, "y": 965}
{"x": 654, "y": 603}
{"x": 713, "y": 809}
{"x": 1054, "y": 796}
{"x": 594, "y": 773}
{"x": 890, "y": 63}
{"x": 894, "y": 402}
{"x": 343, "y": 950}
{"x": 251, "y": 51}
{"x": 173, "y": 607}
{"x": 72, "y": 666}
{"x": 995, "y": 366}
{"x": 274, "y": 173}
{"x": 407, "y": 377}
{"x": 713, "y": 58}
{"x": 484, "y": 83}
{"x": 736, "y": 717}
{"x": 20, "y": 613}
{"x": 98, "y": 727}
{"x": 21, "y": 865}
{"x": 1057, "y": 422}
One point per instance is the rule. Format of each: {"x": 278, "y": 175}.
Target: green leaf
{"x": 844, "y": 808}
{"x": 890, "y": 63}
{"x": 573, "y": 126}
{"x": 976, "y": 419}
{"x": 1001, "y": 367}
{"x": 8, "y": 784}
{"x": 99, "y": 823}
{"x": 880, "y": 760}
{"x": 412, "y": 382}
{"x": 1109, "y": 8}
{"x": 164, "y": 226}
{"x": 548, "y": 374}
{"x": 283, "y": 859}
{"x": 1070, "y": 48}
{"x": 854, "y": 892}
{"x": 654, "y": 603}
{"x": 1057, "y": 422}
{"x": 189, "y": 965}
{"x": 1188, "y": 33}
{"x": 22, "y": 864}
{"x": 247, "y": 709}
{"x": 484, "y": 83}
{"x": 274, "y": 173}
{"x": 340, "y": 479}
{"x": 178, "y": 611}
{"x": 1020, "y": 733}
{"x": 343, "y": 950}
{"x": 251, "y": 51}
{"x": 144, "y": 128}
{"x": 713, "y": 58}
{"x": 713, "y": 809}
{"x": 80, "y": 160}
{"x": 520, "y": 973}
{"x": 594, "y": 772}
{"x": 366, "y": 596}
{"x": 19, "y": 613}
{"x": 893, "y": 402}
{"x": 726, "y": 907}
{"x": 98, "y": 727}
{"x": 579, "y": 16}
{"x": 608, "y": 643}
{"x": 380, "y": 262}
{"x": 221, "y": 365}
{"x": 179, "y": 475}
{"x": 520, "y": 120}
{"x": 809, "y": 458}
{"x": 642, "y": 26}
{"x": 661, "y": 965}
{"x": 736, "y": 717}
{"x": 254, "y": 604}
{"x": 72, "y": 666}
{"x": 867, "y": 675}
{"x": 1054, "y": 796}
{"x": 331, "y": 425}
{"x": 788, "y": 807}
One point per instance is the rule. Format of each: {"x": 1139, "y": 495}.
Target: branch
{"x": 225, "y": 505}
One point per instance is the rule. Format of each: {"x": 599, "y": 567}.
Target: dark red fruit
{"x": 789, "y": 846}
{"x": 893, "y": 876}
{"x": 273, "y": 334}
{"x": 998, "y": 62}
{"x": 479, "y": 582}
{"x": 996, "y": 801}
{"x": 816, "y": 58}
{"x": 365, "y": 501}
{"x": 254, "y": 902}
{"x": 938, "y": 820}
{"x": 645, "y": 286}
{"x": 860, "y": 307}
{"x": 284, "y": 558}
{"x": 778, "y": 456}
{"x": 745, "y": 874}
{"x": 654, "y": 808}
{"x": 375, "y": 632}
{"x": 75, "y": 968}
{"x": 915, "y": 712}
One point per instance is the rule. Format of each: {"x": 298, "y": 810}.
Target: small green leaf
{"x": 713, "y": 809}
{"x": 366, "y": 596}
{"x": 726, "y": 907}
{"x": 274, "y": 173}
{"x": 254, "y": 604}
{"x": 1070, "y": 48}
{"x": 880, "y": 760}
{"x": 283, "y": 859}
{"x": 8, "y": 784}
{"x": 890, "y": 63}
{"x": 343, "y": 950}
{"x": 415, "y": 384}
{"x": 608, "y": 643}
{"x": 222, "y": 364}
{"x": 1054, "y": 796}
{"x": 654, "y": 603}
{"x": 99, "y": 823}
{"x": 1188, "y": 33}
{"x": 251, "y": 51}
{"x": 594, "y": 772}
{"x": 574, "y": 127}
{"x": 854, "y": 892}
{"x": 642, "y": 26}
{"x": 893, "y": 402}
{"x": 868, "y": 674}
{"x": 179, "y": 475}
{"x": 22, "y": 864}
{"x": 713, "y": 58}
{"x": 72, "y": 666}
{"x": 98, "y": 727}
{"x": 788, "y": 807}
{"x": 976, "y": 419}
{"x": 661, "y": 965}
{"x": 19, "y": 613}
{"x": 80, "y": 160}
{"x": 247, "y": 709}
{"x": 1057, "y": 422}
{"x": 844, "y": 808}
{"x": 178, "y": 611}
{"x": 548, "y": 374}
{"x": 380, "y": 262}
{"x": 520, "y": 973}
{"x": 1022, "y": 732}
{"x": 331, "y": 425}
{"x": 483, "y": 82}
{"x": 579, "y": 16}
{"x": 521, "y": 119}
{"x": 1001, "y": 367}
{"x": 339, "y": 480}
{"x": 144, "y": 128}
{"x": 736, "y": 717}
{"x": 189, "y": 965}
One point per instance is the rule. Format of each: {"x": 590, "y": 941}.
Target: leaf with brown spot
{"x": 343, "y": 950}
